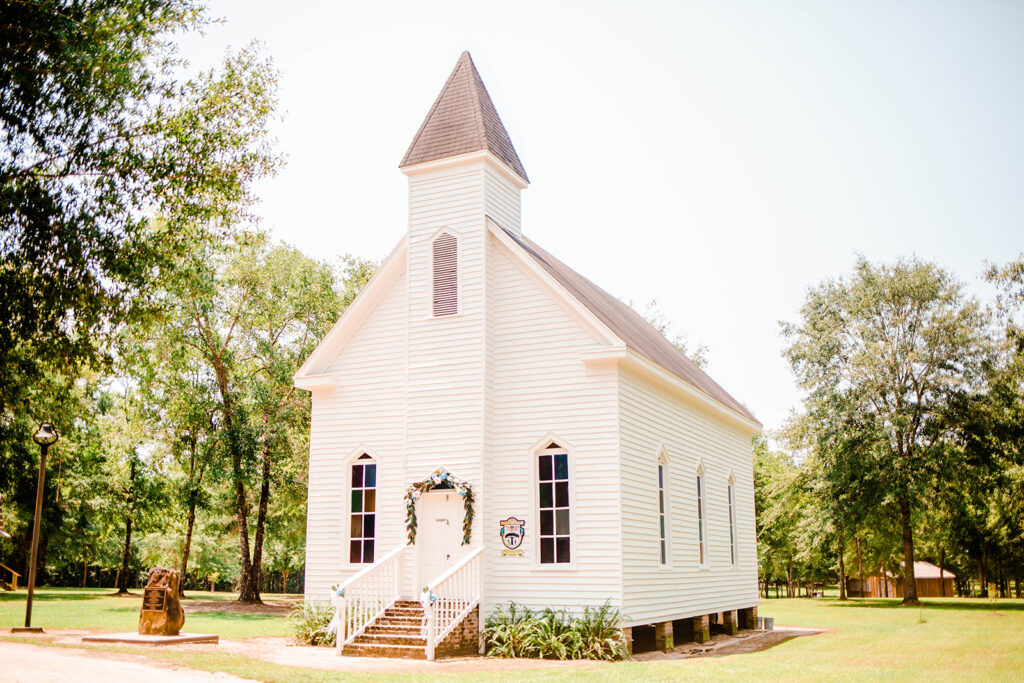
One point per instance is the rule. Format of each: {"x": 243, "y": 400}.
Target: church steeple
{"x": 463, "y": 120}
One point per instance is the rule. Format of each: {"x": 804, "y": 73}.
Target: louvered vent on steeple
{"x": 446, "y": 275}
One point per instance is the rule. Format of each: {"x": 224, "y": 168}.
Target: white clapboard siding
{"x": 503, "y": 201}
{"x": 652, "y": 418}
{"x": 478, "y": 389}
{"x": 539, "y": 386}
{"x": 366, "y": 408}
{"x": 444, "y": 409}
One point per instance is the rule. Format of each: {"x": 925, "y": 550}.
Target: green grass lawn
{"x": 946, "y": 640}
{"x": 97, "y": 608}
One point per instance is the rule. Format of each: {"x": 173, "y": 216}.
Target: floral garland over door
{"x": 442, "y": 480}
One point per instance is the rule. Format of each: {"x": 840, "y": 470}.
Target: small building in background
{"x": 931, "y": 583}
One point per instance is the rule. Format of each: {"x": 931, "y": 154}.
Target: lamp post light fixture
{"x": 45, "y": 436}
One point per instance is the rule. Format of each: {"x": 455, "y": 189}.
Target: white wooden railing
{"x": 364, "y": 597}
{"x": 450, "y": 598}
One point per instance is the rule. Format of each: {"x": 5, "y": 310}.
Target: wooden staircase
{"x": 396, "y": 633}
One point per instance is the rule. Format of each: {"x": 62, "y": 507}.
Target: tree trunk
{"x": 284, "y": 580}
{"x": 117, "y": 578}
{"x": 188, "y": 544}
{"x": 860, "y": 568}
{"x": 842, "y": 566}
{"x": 789, "y": 579}
{"x": 885, "y": 582}
{"x": 982, "y": 575}
{"x": 261, "y": 515}
{"x": 85, "y": 572}
{"x": 122, "y": 586}
{"x": 909, "y": 580}
{"x": 246, "y": 593}
{"x": 942, "y": 575}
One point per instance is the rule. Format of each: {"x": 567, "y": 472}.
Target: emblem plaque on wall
{"x": 512, "y": 532}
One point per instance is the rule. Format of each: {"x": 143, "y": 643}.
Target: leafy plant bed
{"x": 515, "y": 632}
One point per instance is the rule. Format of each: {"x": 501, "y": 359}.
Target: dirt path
{"x": 27, "y": 663}
{"x": 36, "y": 663}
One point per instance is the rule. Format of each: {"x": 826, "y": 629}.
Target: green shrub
{"x": 517, "y": 632}
{"x": 308, "y": 621}
{"x": 600, "y": 635}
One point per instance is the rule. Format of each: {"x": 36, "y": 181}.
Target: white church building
{"x": 490, "y": 426}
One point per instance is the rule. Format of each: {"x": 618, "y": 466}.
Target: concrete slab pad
{"x": 137, "y": 639}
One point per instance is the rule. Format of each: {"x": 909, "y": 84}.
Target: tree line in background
{"x": 142, "y": 311}
{"x": 910, "y": 442}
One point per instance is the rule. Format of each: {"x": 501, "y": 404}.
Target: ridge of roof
{"x": 638, "y": 334}
{"x": 463, "y": 119}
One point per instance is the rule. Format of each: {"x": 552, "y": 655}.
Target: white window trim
{"x": 346, "y": 528}
{"x": 538, "y": 449}
{"x": 666, "y": 492}
{"x": 702, "y": 518}
{"x": 730, "y": 494}
{"x": 445, "y": 230}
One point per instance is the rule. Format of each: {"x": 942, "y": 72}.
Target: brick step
{"x": 400, "y": 621}
{"x": 400, "y": 651}
{"x": 403, "y": 612}
{"x": 390, "y": 639}
{"x": 409, "y": 603}
{"x": 385, "y": 629}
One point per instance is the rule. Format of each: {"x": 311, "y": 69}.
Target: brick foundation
{"x": 730, "y": 622}
{"x": 663, "y": 638}
{"x": 748, "y": 618}
{"x": 701, "y": 629}
{"x": 464, "y": 638}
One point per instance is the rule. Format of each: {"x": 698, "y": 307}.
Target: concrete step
{"x": 390, "y": 639}
{"x": 399, "y": 651}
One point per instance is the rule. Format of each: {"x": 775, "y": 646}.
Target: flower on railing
{"x": 439, "y": 479}
{"x": 427, "y": 598}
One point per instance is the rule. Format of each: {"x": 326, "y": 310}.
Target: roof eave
{"x": 482, "y": 155}
{"x": 630, "y": 359}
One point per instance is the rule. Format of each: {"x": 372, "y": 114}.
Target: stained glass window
{"x": 553, "y": 499}
{"x": 362, "y": 520}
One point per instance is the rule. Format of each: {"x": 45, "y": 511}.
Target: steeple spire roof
{"x": 463, "y": 120}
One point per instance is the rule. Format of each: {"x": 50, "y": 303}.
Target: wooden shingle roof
{"x": 462, "y": 120}
{"x": 629, "y": 326}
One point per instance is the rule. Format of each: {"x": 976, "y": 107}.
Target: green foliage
{"x": 514, "y": 631}
{"x": 308, "y": 622}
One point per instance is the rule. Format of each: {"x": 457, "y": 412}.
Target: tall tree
{"x": 252, "y": 312}
{"x": 99, "y": 130}
{"x": 891, "y": 343}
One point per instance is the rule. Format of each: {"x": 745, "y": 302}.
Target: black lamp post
{"x": 46, "y": 436}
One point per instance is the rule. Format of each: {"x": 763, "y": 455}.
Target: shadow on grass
{"x": 231, "y": 616}
{"x": 45, "y": 596}
{"x": 975, "y": 605}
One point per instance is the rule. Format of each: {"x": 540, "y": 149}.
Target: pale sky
{"x": 718, "y": 156}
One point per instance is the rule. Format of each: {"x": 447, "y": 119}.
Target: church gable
{"x": 389, "y": 279}
{"x": 380, "y": 337}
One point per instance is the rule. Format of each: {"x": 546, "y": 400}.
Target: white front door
{"x": 438, "y": 534}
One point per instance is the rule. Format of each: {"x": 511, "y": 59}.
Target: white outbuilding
{"x": 490, "y": 426}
